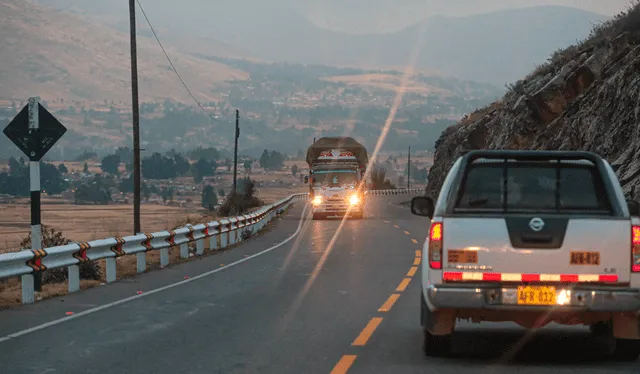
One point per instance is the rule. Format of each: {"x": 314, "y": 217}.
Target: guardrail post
{"x": 184, "y": 251}
{"x": 200, "y": 247}
{"x": 141, "y": 262}
{"x": 28, "y": 294}
{"x": 73, "y": 277}
{"x": 164, "y": 257}
{"x": 224, "y": 239}
{"x": 232, "y": 236}
{"x": 111, "y": 269}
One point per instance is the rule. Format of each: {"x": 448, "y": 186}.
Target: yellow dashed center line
{"x": 403, "y": 285}
{"x": 367, "y": 331}
{"x": 412, "y": 271}
{"x": 347, "y": 361}
{"x": 344, "y": 364}
{"x": 389, "y": 303}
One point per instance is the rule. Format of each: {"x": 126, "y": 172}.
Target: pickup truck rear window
{"x": 549, "y": 187}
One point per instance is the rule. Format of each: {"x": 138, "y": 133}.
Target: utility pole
{"x": 235, "y": 152}
{"x": 409, "y": 168}
{"x": 135, "y": 117}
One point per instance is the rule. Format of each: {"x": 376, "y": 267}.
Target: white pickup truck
{"x": 531, "y": 237}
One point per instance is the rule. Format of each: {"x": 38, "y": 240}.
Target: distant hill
{"x": 55, "y": 54}
{"x": 496, "y": 47}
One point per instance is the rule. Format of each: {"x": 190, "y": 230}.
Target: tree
{"x": 63, "y": 169}
{"x": 240, "y": 202}
{"x": 209, "y": 197}
{"x": 158, "y": 166}
{"x": 276, "y": 160}
{"x": 85, "y": 168}
{"x": 95, "y": 192}
{"x": 203, "y": 168}
{"x": 126, "y": 185}
{"x": 294, "y": 170}
{"x": 110, "y": 164}
{"x": 125, "y": 154}
{"x": 182, "y": 164}
{"x": 247, "y": 166}
{"x": 265, "y": 160}
{"x": 51, "y": 179}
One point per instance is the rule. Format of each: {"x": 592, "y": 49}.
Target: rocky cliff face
{"x": 586, "y": 97}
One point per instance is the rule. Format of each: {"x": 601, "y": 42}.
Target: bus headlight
{"x": 317, "y": 200}
{"x": 354, "y": 199}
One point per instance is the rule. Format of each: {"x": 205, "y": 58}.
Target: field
{"x": 88, "y": 222}
{"x": 387, "y": 82}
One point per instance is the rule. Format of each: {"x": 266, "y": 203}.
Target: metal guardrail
{"x": 213, "y": 235}
{"x": 398, "y": 191}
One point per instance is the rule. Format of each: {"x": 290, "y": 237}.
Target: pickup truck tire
{"x": 317, "y": 216}
{"x": 626, "y": 350}
{"x": 433, "y": 345}
{"x": 357, "y": 215}
{"x": 601, "y": 329}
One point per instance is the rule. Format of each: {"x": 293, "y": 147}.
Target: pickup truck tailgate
{"x": 537, "y": 249}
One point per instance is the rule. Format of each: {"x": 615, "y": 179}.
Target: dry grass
{"x": 87, "y": 222}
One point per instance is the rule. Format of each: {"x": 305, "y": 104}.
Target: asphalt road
{"x": 338, "y": 295}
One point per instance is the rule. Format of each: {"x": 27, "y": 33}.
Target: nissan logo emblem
{"x": 536, "y": 224}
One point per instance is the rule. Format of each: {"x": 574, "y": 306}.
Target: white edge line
{"x": 151, "y": 292}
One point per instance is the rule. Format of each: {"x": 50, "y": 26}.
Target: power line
{"x": 178, "y": 74}
{"x": 171, "y": 63}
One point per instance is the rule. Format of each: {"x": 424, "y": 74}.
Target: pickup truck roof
{"x": 572, "y": 172}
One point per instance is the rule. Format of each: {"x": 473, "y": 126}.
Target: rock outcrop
{"x": 587, "y": 97}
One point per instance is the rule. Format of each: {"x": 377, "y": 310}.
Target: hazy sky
{"x": 387, "y": 15}
{"x": 352, "y": 16}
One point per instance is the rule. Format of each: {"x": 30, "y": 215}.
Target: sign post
{"x": 34, "y": 188}
{"x": 34, "y": 131}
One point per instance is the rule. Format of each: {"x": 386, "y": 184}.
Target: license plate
{"x": 536, "y": 295}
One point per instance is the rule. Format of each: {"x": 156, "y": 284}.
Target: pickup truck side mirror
{"x": 634, "y": 208}
{"x": 306, "y": 179}
{"x": 422, "y": 206}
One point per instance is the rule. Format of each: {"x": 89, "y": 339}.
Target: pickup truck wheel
{"x": 437, "y": 345}
{"x": 626, "y": 350}
{"x": 433, "y": 345}
{"x": 601, "y": 329}
{"x": 317, "y": 216}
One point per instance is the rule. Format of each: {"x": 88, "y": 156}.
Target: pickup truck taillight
{"x": 635, "y": 249}
{"x": 435, "y": 245}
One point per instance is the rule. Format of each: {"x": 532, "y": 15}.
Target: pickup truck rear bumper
{"x": 504, "y": 297}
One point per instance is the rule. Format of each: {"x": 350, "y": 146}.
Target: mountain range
{"x": 497, "y": 47}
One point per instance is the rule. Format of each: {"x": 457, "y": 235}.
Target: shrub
{"x": 53, "y": 238}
